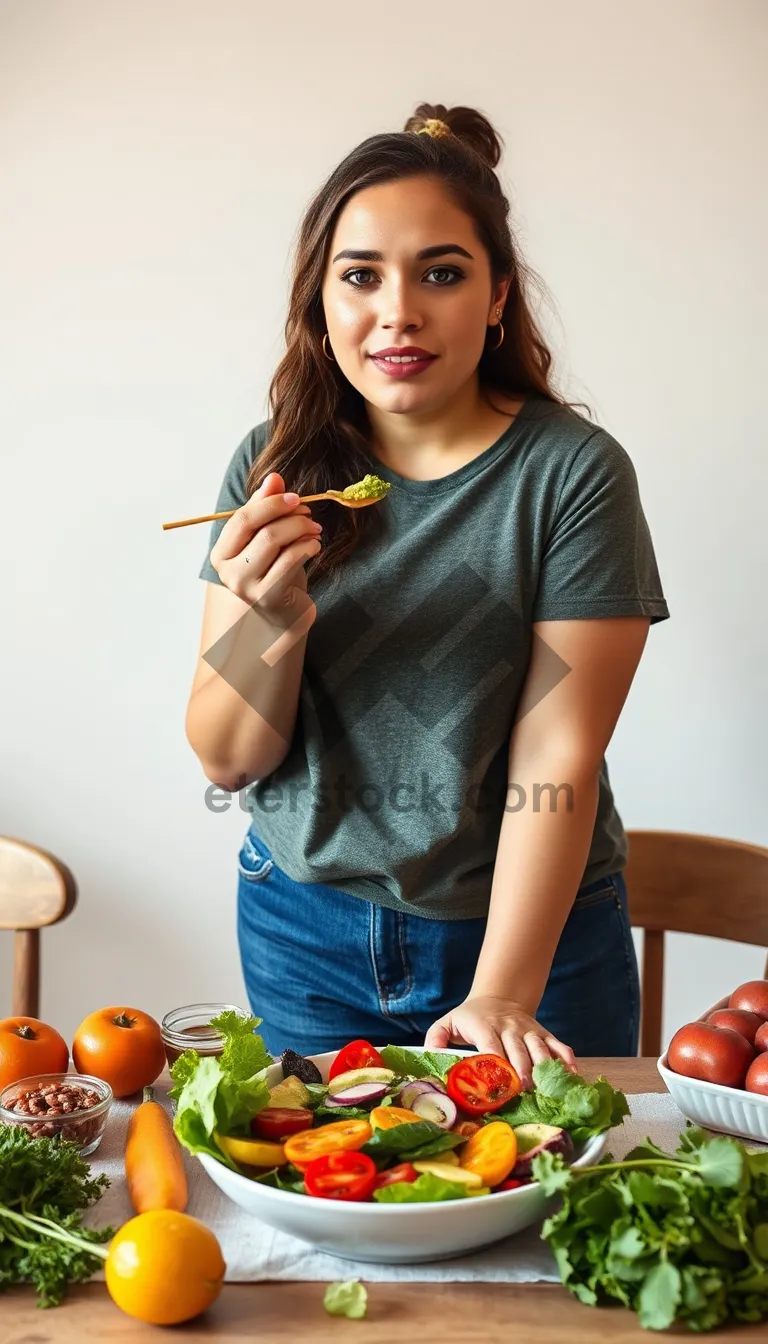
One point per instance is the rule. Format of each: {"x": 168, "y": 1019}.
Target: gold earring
{"x": 325, "y": 352}
{"x": 501, "y": 330}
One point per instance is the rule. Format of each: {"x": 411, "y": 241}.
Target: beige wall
{"x": 154, "y": 159}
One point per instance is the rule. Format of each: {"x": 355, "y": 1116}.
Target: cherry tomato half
{"x": 491, "y": 1153}
{"x": 356, "y": 1055}
{"x": 403, "y": 1172}
{"x": 278, "y": 1122}
{"x": 342, "y": 1136}
{"x": 389, "y": 1117}
{"x": 341, "y": 1176}
{"x": 482, "y": 1083}
{"x": 510, "y": 1184}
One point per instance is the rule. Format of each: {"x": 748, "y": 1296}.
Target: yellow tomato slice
{"x": 491, "y": 1153}
{"x": 343, "y": 1136}
{"x": 252, "y": 1152}
{"x": 387, "y": 1117}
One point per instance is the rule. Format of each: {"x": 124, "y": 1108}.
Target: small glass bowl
{"x": 189, "y": 1028}
{"x": 85, "y": 1127}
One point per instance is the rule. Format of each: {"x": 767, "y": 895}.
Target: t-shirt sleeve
{"x": 233, "y": 492}
{"x": 598, "y": 558}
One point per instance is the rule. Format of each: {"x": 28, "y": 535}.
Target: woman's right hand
{"x": 261, "y": 551}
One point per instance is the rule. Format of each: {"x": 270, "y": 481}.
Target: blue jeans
{"x": 322, "y": 968}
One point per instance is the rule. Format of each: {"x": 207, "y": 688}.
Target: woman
{"x": 425, "y": 708}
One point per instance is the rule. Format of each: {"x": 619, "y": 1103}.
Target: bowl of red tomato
{"x": 716, "y": 1068}
{"x": 368, "y": 1159}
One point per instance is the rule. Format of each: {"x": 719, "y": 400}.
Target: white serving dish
{"x": 390, "y": 1233}
{"x": 713, "y": 1106}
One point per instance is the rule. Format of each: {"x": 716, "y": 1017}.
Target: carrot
{"x": 154, "y": 1168}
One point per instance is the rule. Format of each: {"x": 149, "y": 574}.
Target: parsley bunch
{"x": 677, "y": 1237}
{"x": 44, "y": 1186}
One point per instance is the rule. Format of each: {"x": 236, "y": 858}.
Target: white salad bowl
{"x": 390, "y": 1234}
{"x": 728, "y": 1110}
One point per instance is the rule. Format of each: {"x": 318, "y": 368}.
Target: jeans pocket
{"x": 593, "y": 893}
{"x": 252, "y": 866}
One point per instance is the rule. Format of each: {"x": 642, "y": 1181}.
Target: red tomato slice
{"x": 482, "y": 1083}
{"x": 404, "y": 1172}
{"x": 510, "y": 1184}
{"x": 356, "y": 1055}
{"x": 277, "y": 1122}
{"x": 341, "y": 1176}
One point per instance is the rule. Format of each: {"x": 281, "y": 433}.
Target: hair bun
{"x": 466, "y": 123}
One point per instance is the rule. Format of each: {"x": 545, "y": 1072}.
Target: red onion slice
{"x": 435, "y": 1106}
{"x": 357, "y": 1096}
{"x": 410, "y": 1091}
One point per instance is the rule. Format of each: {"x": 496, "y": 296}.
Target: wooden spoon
{"x": 335, "y": 495}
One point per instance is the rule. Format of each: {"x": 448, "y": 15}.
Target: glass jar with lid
{"x": 189, "y": 1028}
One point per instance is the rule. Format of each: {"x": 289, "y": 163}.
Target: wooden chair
{"x": 36, "y": 889}
{"x": 691, "y": 884}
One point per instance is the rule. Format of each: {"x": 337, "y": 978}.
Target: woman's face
{"x": 394, "y": 297}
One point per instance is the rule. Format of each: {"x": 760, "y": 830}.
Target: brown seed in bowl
{"x": 54, "y": 1101}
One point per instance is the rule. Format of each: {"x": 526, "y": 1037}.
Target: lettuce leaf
{"x": 426, "y": 1064}
{"x": 244, "y": 1052}
{"x": 199, "y": 1091}
{"x": 426, "y": 1189}
{"x": 349, "y": 1298}
{"x": 237, "y": 1101}
{"x": 565, "y": 1099}
{"x": 181, "y": 1071}
{"x": 192, "y": 1134}
{"x": 221, "y": 1094}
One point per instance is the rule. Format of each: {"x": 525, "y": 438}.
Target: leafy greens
{"x": 677, "y": 1237}
{"x": 44, "y": 1186}
{"x": 424, "y": 1064}
{"x": 426, "y": 1189}
{"x": 221, "y": 1094}
{"x": 564, "y": 1099}
{"x": 411, "y": 1142}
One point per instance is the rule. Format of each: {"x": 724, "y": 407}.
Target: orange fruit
{"x": 28, "y": 1046}
{"x": 121, "y": 1045}
{"x": 164, "y": 1267}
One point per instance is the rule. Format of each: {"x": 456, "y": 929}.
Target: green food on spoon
{"x": 371, "y": 487}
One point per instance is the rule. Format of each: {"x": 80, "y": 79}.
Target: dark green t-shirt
{"x": 395, "y": 783}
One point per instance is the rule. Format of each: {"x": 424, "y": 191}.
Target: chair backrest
{"x": 36, "y": 889}
{"x": 681, "y": 883}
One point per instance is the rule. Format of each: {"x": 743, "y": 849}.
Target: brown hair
{"x": 318, "y": 426}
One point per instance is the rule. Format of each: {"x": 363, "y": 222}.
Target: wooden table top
{"x": 432, "y": 1313}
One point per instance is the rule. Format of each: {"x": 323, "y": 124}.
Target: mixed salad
{"x": 390, "y": 1125}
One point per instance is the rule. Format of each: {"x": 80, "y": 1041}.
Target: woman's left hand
{"x": 500, "y": 1027}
